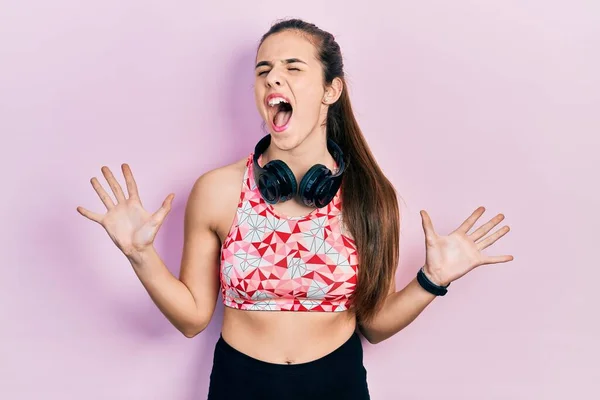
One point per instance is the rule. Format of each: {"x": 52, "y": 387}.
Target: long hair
{"x": 369, "y": 202}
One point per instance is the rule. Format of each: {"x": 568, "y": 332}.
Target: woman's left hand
{"x": 450, "y": 257}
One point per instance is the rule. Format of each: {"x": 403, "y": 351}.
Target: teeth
{"x": 277, "y": 100}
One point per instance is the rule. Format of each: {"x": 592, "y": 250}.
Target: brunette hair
{"x": 369, "y": 203}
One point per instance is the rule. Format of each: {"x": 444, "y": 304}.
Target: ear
{"x": 333, "y": 91}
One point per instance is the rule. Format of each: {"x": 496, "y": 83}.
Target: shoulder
{"x": 216, "y": 192}
{"x": 221, "y": 178}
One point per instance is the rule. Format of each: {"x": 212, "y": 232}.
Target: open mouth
{"x": 280, "y": 111}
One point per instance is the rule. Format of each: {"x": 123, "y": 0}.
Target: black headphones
{"x": 276, "y": 181}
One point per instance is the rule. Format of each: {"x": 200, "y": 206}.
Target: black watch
{"x": 430, "y": 286}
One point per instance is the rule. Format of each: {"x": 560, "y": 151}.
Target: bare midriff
{"x": 286, "y": 337}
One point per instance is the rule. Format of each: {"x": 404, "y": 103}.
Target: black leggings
{"x": 338, "y": 375}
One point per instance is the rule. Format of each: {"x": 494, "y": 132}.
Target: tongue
{"x": 282, "y": 118}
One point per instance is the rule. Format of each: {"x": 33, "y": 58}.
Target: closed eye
{"x": 261, "y": 73}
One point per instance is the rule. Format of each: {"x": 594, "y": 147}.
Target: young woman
{"x": 300, "y": 238}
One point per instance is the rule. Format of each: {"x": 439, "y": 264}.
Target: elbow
{"x": 373, "y": 339}
{"x": 193, "y": 329}
{"x": 371, "y": 336}
{"x": 375, "y": 334}
{"x": 189, "y": 333}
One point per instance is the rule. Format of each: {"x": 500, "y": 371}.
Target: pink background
{"x": 464, "y": 103}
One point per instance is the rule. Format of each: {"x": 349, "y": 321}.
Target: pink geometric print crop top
{"x": 273, "y": 262}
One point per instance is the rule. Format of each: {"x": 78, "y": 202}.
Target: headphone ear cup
{"x": 315, "y": 186}
{"x": 325, "y": 192}
{"x": 277, "y": 183}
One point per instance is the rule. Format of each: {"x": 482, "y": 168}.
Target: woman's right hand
{"x": 128, "y": 224}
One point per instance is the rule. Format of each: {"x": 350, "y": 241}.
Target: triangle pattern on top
{"x": 271, "y": 262}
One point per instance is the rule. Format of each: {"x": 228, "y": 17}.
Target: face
{"x": 289, "y": 89}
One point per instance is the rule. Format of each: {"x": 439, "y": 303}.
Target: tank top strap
{"x": 249, "y": 192}
{"x": 248, "y": 173}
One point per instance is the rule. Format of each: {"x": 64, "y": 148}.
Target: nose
{"x": 273, "y": 79}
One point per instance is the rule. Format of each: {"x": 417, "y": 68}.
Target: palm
{"x": 450, "y": 251}
{"x": 128, "y": 224}
{"x": 450, "y": 257}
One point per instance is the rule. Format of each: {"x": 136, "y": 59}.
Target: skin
{"x": 188, "y": 301}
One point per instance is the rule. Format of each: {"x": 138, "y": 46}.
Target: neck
{"x": 312, "y": 150}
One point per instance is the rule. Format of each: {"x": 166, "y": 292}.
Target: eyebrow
{"x": 287, "y": 61}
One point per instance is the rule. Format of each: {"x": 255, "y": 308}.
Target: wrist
{"x": 435, "y": 276}
{"x": 431, "y": 285}
{"x": 139, "y": 257}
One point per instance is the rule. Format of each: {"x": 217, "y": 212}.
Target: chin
{"x": 286, "y": 140}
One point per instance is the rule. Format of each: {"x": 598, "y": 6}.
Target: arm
{"x": 398, "y": 311}
{"x": 447, "y": 258}
{"x": 188, "y": 302}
